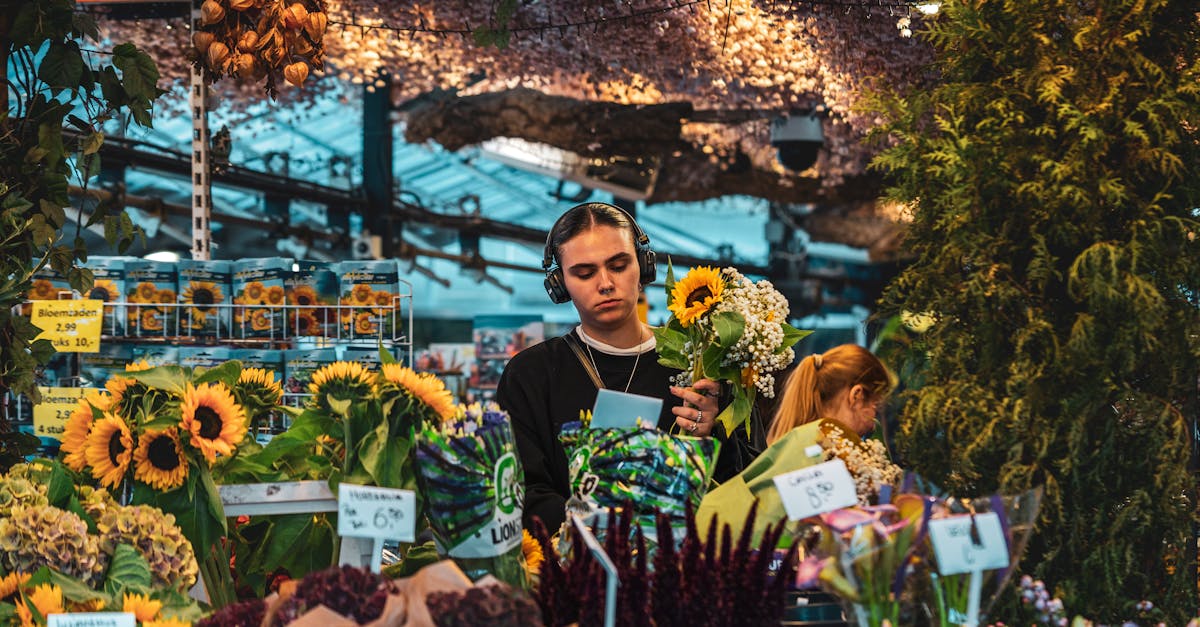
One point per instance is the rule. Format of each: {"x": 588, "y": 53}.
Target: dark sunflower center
{"x": 202, "y": 297}
{"x": 115, "y": 447}
{"x": 162, "y": 454}
{"x": 304, "y": 324}
{"x": 303, "y": 299}
{"x": 99, "y": 293}
{"x": 210, "y": 422}
{"x": 698, "y": 295}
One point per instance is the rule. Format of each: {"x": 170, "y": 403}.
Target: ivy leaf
{"x": 91, "y": 143}
{"x": 50, "y": 140}
{"x": 112, "y": 90}
{"x": 83, "y": 24}
{"x": 53, "y": 212}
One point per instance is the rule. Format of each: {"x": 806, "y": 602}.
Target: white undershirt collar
{"x": 613, "y": 350}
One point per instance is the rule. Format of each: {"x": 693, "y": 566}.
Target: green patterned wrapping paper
{"x": 651, "y": 468}
{"x": 471, "y": 479}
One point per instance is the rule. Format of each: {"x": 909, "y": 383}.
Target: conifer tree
{"x": 1053, "y": 178}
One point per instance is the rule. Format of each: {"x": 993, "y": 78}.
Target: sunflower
{"x": 425, "y": 387}
{"x": 305, "y": 323}
{"x": 79, "y": 424}
{"x": 199, "y": 319}
{"x": 532, "y": 550}
{"x": 141, "y": 606}
{"x": 260, "y": 383}
{"x": 260, "y": 319}
{"x": 274, "y": 295}
{"x": 10, "y": 583}
{"x": 109, "y": 450}
{"x": 695, "y": 294}
{"x": 217, "y": 423}
{"x": 42, "y": 290}
{"x": 362, "y": 294}
{"x": 203, "y": 293}
{"x": 343, "y": 380}
{"x": 138, "y": 366}
{"x": 166, "y": 297}
{"x": 146, "y": 292}
{"x": 384, "y": 303}
{"x": 253, "y": 292}
{"x": 159, "y": 461}
{"x": 105, "y": 290}
{"x": 167, "y": 622}
{"x": 151, "y": 320}
{"x": 364, "y": 324}
{"x": 302, "y": 295}
{"x": 91, "y": 605}
{"x": 47, "y": 598}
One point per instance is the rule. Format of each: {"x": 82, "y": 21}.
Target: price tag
{"x": 371, "y": 512}
{"x": 50, "y": 416}
{"x": 72, "y": 326}
{"x": 958, "y": 550}
{"x": 816, "y": 489}
{"x": 92, "y": 619}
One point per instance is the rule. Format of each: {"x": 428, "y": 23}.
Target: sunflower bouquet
{"x": 725, "y": 327}
{"x": 473, "y": 483}
{"x": 155, "y": 435}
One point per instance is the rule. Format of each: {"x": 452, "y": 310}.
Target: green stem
{"x": 216, "y": 592}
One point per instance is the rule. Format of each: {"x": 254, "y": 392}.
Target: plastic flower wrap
{"x": 1017, "y": 514}
{"x": 728, "y": 328}
{"x": 864, "y": 556}
{"x": 652, "y": 469}
{"x": 472, "y": 481}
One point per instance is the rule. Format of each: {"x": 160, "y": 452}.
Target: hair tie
{"x": 817, "y": 361}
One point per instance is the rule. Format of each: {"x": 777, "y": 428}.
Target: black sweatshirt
{"x": 543, "y": 387}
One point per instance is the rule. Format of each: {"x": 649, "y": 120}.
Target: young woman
{"x": 597, "y": 258}
{"x": 845, "y": 384}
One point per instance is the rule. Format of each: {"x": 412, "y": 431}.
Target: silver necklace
{"x": 628, "y": 383}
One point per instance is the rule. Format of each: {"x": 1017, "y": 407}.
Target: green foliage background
{"x": 1053, "y": 177}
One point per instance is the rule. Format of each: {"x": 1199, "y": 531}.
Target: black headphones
{"x": 556, "y": 286}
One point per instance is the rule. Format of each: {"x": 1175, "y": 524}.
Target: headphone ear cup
{"x": 556, "y": 289}
{"x": 649, "y": 266}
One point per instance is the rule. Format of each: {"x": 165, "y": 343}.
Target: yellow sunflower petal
{"x": 141, "y": 606}
{"x": 10, "y": 583}
{"x": 159, "y": 460}
{"x": 425, "y": 387}
{"x": 696, "y": 293}
{"x": 109, "y": 450}
{"x": 215, "y": 421}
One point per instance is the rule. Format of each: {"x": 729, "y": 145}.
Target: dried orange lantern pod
{"x": 248, "y": 41}
{"x": 211, "y": 12}
{"x": 317, "y": 21}
{"x": 295, "y": 16}
{"x": 217, "y": 53}
{"x": 295, "y": 73}
{"x": 202, "y": 40}
{"x": 241, "y": 5}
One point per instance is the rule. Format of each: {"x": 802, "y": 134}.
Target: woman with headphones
{"x": 596, "y": 257}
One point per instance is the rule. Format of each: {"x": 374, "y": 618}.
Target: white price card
{"x": 92, "y": 619}
{"x": 959, "y": 550}
{"x": 371, "y": 512}
{"x": 816, "y": 489}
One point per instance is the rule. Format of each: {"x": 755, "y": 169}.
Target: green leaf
{"x": 53, "y": 212}
{"x": 791, "y": 335}
{"x": 110, "y": 87}
{"x": 91, "y": 143}
{"x": 737, "y": 412}
{"x": 299, "y": 544}
{"x": 670, "y": 284}
{"x": 415, "y": 558}
{"x": 729, "y": 327}
{"x": 128, "y": 572}
{"x": 60, "y": 488}
{"x": 62, "y": 67}
{"x": 84, "y": 25}
{"x": 139, "y": 75}
{"x": 669, "y": 344}
{"x": 385, "y": 356}
{"x": 50, "y": 140}
{"x": 227, "y": 373}
{"x": 74, "y": 589}
{"x": 168, "y": 378}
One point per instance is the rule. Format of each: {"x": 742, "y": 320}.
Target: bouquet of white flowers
{"x": 726, "y": 327}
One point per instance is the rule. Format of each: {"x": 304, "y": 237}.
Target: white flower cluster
{"x": 764, "y": 309}
{"x": 866, "y": 460}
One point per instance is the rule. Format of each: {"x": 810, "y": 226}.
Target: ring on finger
{"x": 699, "y": 416}
{"x": 692, "y": 429}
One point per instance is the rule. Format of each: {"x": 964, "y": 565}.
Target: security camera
{"x": 367, "y": 246}
{"x": 799, "y": 139}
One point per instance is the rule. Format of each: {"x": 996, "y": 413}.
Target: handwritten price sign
{"x": 371, "y": 512}
{"x": 72, "y": 326}
{"x": 816, "y": 489}
{"x": 963, "y": 544}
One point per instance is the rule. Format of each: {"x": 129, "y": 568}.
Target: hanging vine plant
{"x": 261, "y": 40}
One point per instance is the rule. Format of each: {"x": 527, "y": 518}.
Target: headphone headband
{"x": 555, "y": 284}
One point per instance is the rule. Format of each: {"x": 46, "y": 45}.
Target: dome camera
{"x": 799, "y": 139}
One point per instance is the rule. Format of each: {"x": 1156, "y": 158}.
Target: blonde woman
{"x": 845, "y": 384}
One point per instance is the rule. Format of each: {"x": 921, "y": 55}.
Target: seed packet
{"x": 312, "y": 296}
{"x": 49, "y": 285}
{"x": 298, "y": 368}
{"x": 96, "y": 368}
{"x": 368, "y": 302}
{"x": 201, "y": 358}
{"x": 368, "y": 357}
{"x": 155, "y": 354}
{"x": 109, "y": 287}
{"x": 150, "y": 298}
{"x": 204, "y": 288}
{"x": 258, "y": 296}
